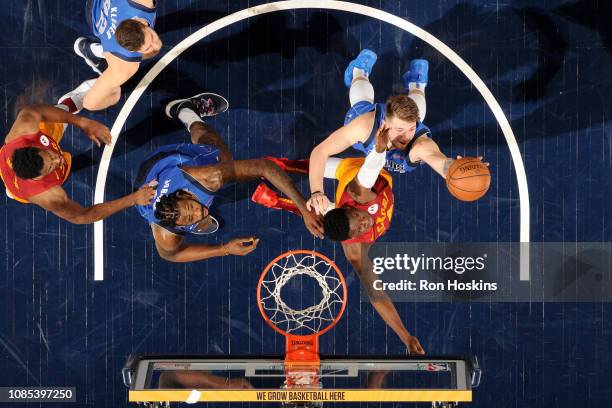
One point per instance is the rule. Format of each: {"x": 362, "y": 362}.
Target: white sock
{"x": 358, "y": 72}
{"x": 416, "y": 85}
{"x": 421, "y": 103}
{"x": 361, "y": 91}
{"x": 97, "y": 50}
{"x": 188, "y": 117}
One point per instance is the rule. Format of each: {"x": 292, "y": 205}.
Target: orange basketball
{"x": 468, "y": 179}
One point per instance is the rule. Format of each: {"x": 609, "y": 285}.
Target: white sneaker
{"x": 78, "y": 95}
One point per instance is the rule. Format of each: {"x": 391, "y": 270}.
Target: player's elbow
{"x": 31, "y": 112}
{"x": 166, "y": 256}
{"x": 170, "y": 256}
{"x": 378, "y": 298}
{"x": 319, "y": 153}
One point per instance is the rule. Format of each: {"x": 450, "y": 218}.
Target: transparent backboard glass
{"x": 269, "y": 380}
{"x": 330, "y": 375}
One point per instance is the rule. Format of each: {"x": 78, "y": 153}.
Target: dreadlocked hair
{"x": 166, "y": 210}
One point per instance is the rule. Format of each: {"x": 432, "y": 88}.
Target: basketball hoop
{"x": 302, "y": 325}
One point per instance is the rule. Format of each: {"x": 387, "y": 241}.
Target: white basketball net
{"x": 313, "y": 318}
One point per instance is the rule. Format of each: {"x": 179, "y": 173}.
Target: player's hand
{"x": 97, "y": 132}
{"x": 449, "y": 162}
{"x": 241, "y": 246}
{"x": 480, "y": 158}
{"x": 414, "y": 346}
{"x": 318, "y": 203}
{"x": 145, "y": 194}
{"x": 313, "y": 223}
{"x": 382, "y": 138}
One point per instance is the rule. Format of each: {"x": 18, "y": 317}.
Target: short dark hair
{"x": 130, "y": 34}
{"x": 27, "y": 163}
{"x": 336, "y": 225}
{"x": 166, "y": 210}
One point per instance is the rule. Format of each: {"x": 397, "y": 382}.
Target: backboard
{"x": 339, "y": 380}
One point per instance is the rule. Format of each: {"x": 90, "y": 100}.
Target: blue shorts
{"x": 358, "y": 109}
{"x": 195, "y": 154}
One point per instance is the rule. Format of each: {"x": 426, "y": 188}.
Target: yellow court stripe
{"x": 271, "y": 395}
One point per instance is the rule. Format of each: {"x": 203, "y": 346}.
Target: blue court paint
{"x": 282, "y": 74}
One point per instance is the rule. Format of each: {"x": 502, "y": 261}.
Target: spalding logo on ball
{"x": 468, "y": 179}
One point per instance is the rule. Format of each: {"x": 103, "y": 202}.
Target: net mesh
{"x": 311, "y": 319}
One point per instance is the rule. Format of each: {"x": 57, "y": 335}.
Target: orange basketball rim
{"x": 302, "y": 326}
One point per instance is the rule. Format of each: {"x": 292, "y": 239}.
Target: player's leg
{"x": 192, "y": 111}
{"x": 73, "y": 101}
{"x": 356, "y": 77}
{"x": 415, "y": 81}
{"x": 92, "y": 53}
{"x": 361, "y": 91}
{"x": 90, "y": 50}
{"x": 267, "y": 197}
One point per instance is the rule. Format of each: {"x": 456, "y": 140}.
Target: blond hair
{"x": 403, "y": 108}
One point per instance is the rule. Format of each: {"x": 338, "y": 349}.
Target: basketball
{"x": 468, "y": 179}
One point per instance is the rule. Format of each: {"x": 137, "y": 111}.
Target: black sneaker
{"x": 82, "y": 49}
{"x": 204, "y": 105}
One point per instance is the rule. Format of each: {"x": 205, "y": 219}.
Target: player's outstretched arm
{"x": 29, "y": 119}
{"x": 427, "y": 150}
{"x": 379, "y": 299}
{"x": 173, "y": 248}
{"x": 56, "y": 201}
{"x": 107, "y": 88}
{"x": 337, "y": 142}
{"x": 235, "y": 171}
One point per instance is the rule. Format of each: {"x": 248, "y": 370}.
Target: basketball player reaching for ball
{"x": 187, "y": 177}
{"x": 124, "y": 29}
{"x": 33, "y": 166}
{"x": 362, "y": 214}
{"x": 409, "y": 139}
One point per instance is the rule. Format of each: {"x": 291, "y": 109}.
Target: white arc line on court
{"x": 329, "y": 5}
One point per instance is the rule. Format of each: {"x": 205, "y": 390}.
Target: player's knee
{"x": 115, "y": 96}
{"x": 361, "y": 90}
{"x": 88, "y": 103}
{"x": 203, "y": 133}
{"x": 418, "y": 97}
{"x": 93, "y": 102}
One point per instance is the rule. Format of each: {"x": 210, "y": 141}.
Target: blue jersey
{"x": 164, "y": 165}
{"x": 108, "y": 14}
{"x": 397, "y": 159}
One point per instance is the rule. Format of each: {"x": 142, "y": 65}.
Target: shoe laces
{"x": 205, "y": 106}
